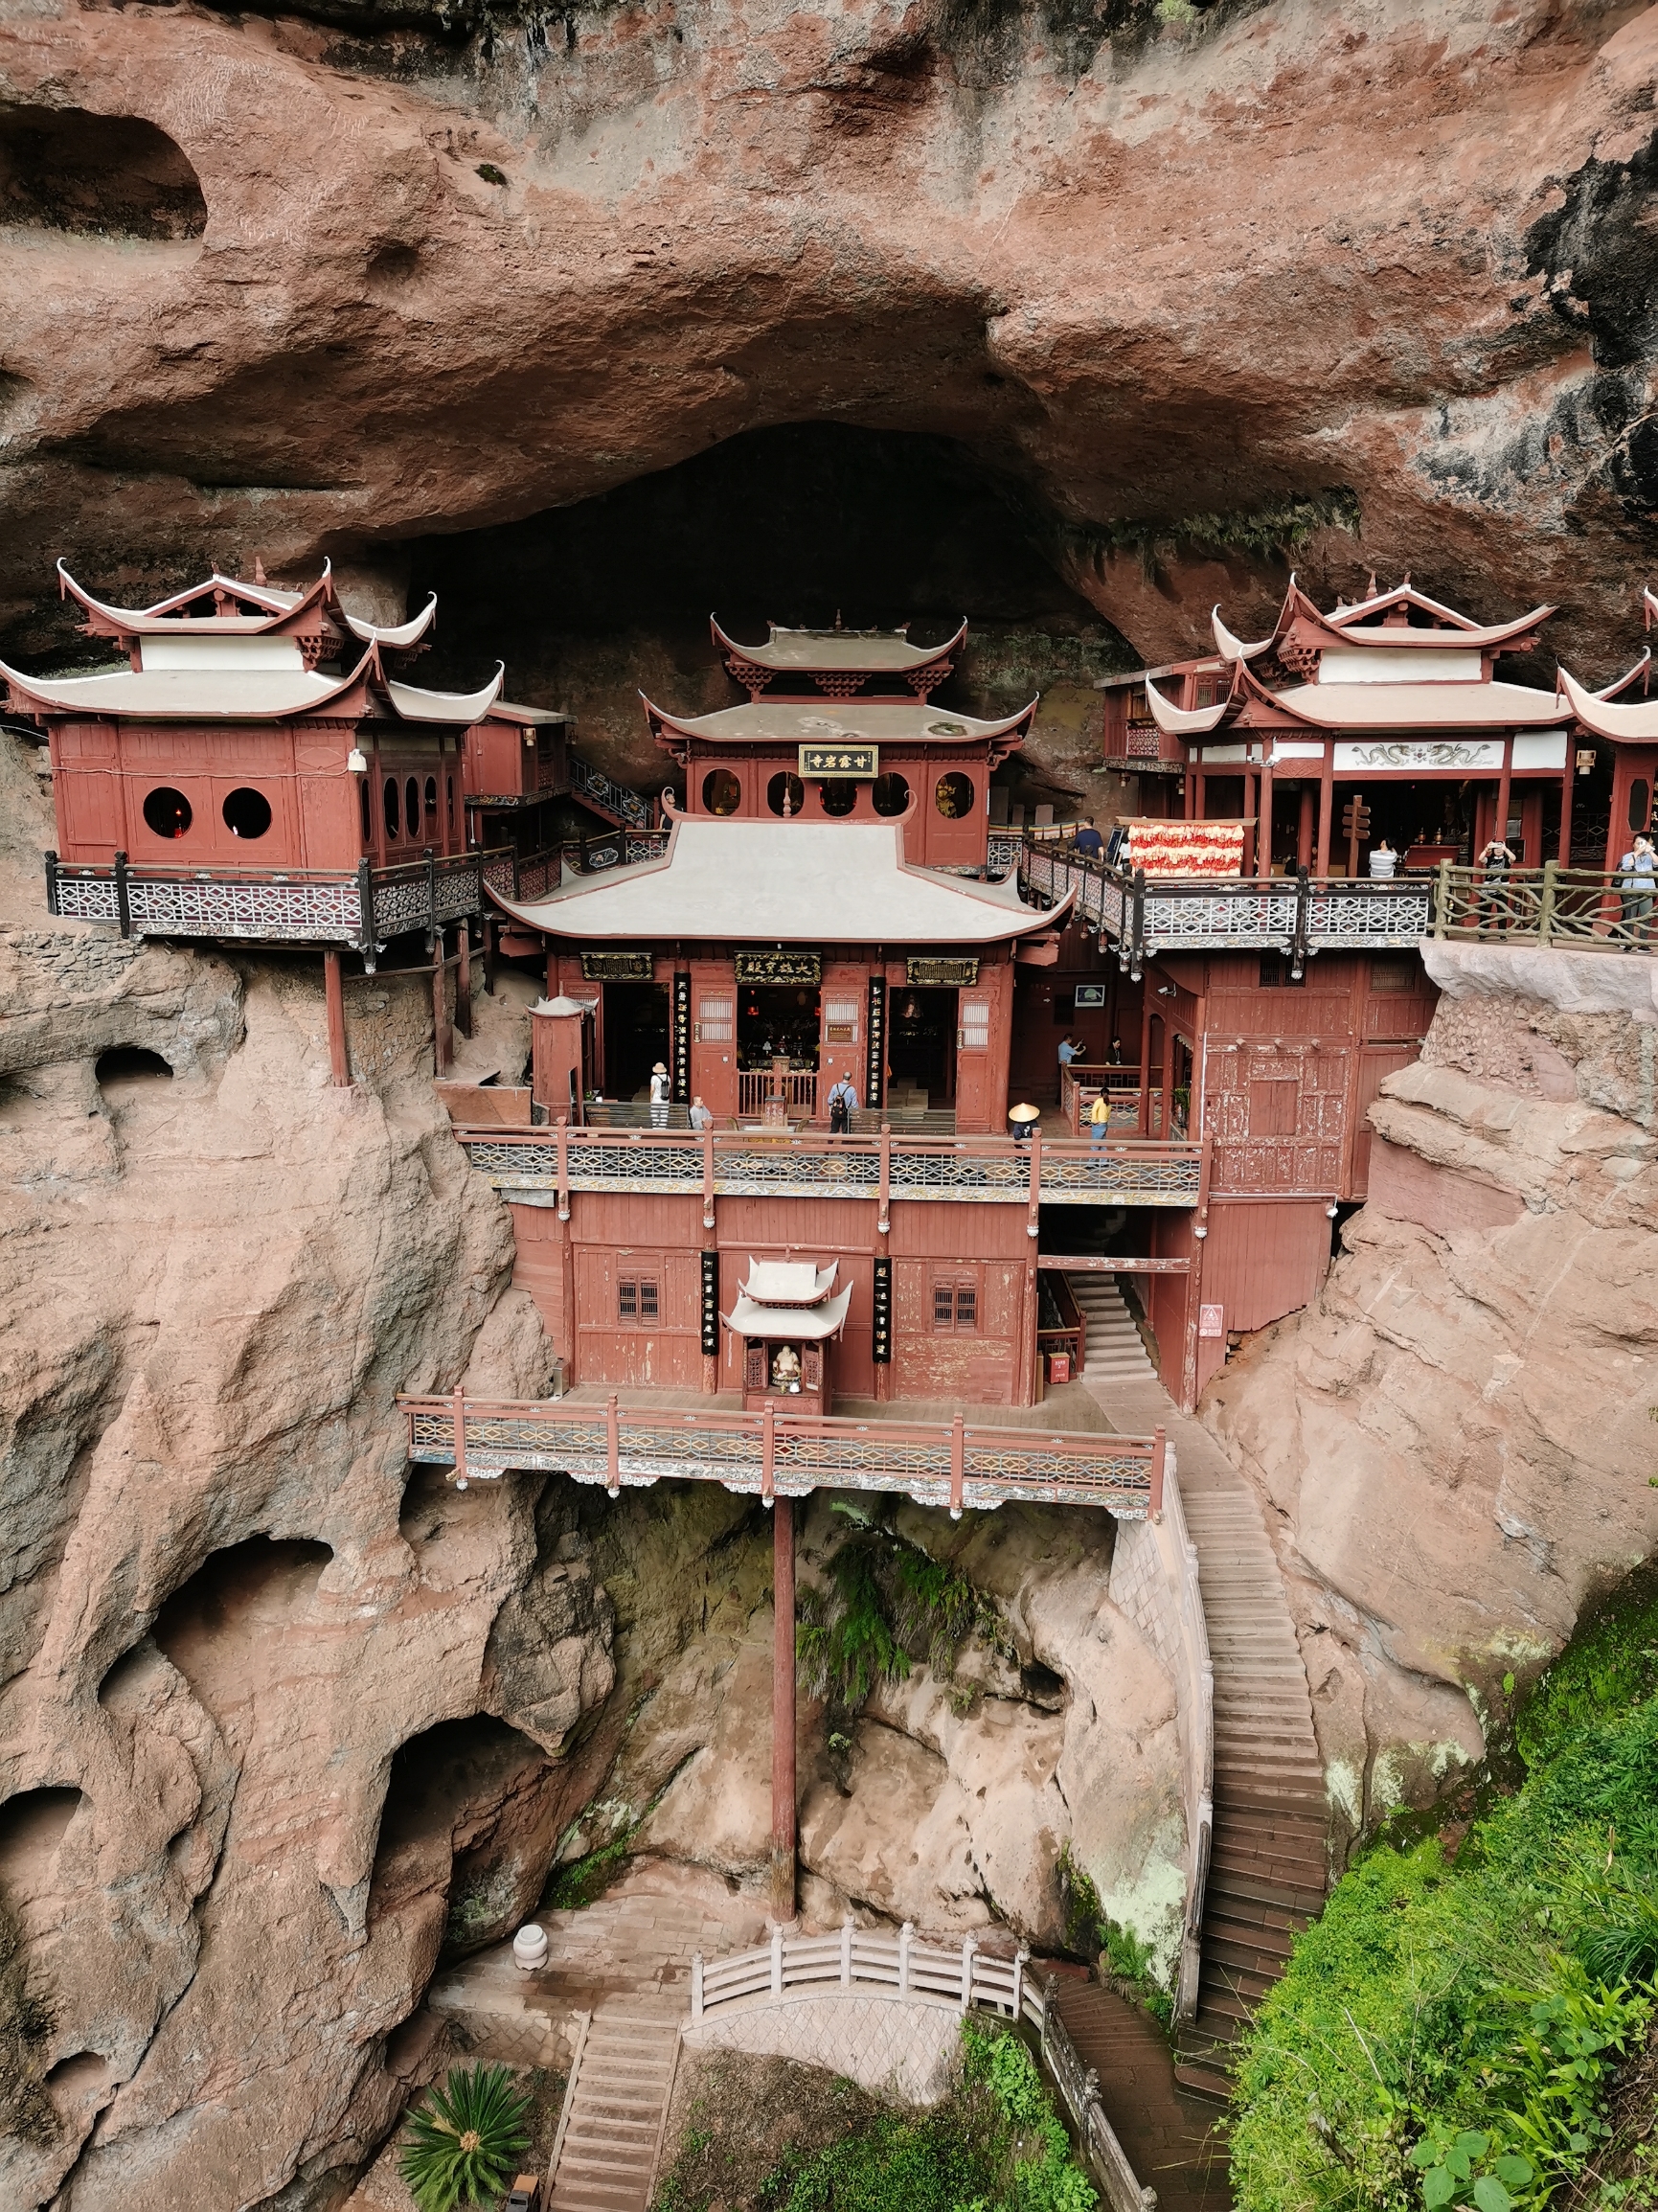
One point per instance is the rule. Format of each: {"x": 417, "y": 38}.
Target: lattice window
{"x": 715, "y": 1025}
{"x": 975, "y": 1025}
{"x": 636, "y": 1299}
{"x": 754, "y": 1367}
{"x": 955, "y": 1303}
{"x": 840, "y": 1022}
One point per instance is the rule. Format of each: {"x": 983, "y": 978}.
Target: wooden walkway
{"x": 1170, "y": 2136}
{"x": 610, "y": 2137}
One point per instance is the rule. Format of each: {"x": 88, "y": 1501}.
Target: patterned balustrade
{"x": 1294, "y": 913}
{"x": 622, "y": 805}
{"x": 812, "y": 1164}
{"x": 525, "y": 875}
{"x": 365, "y": 906}
{"x": 901, "y": 1968}
{"x": 797, "y": 1088}
{"x": 770, "y": 1454}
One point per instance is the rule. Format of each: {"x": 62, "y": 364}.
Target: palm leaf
{"x": 464, "y": 2140}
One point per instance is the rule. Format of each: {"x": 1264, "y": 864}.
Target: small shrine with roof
{"x": 839, "y": 727}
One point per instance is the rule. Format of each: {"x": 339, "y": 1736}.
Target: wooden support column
{"x": 489, "y": 957}
{"x": 441, "y": 1040}
{"x": 782, "y": 1716}
{"x": 464, "y": 980}
{"x": 333, "y": 993}
{"x": 1264, "y": 824}
{"x": 1325, "y": 807}
{"x": 1565, "y": 847}
{"x": 1304, "y": 834}
{"x": 1504, "y": 780}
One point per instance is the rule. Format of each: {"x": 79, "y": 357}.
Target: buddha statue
{"x": 786, "y": 1368}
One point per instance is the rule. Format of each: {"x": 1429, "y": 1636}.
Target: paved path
{"x": 618, "y": 2103}
{"x": 1167, "y": 2136}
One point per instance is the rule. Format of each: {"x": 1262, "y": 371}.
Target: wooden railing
{"x": 623, "y": 807}
{"x": 1079, "y": 1085}
{"x": 1297, "y": 914}
{"x": 810, "y": 1163}
{"x": 1069, "y": 1332}
{"x": 364, "y": 906}
{"x": 525, "y": 875}
{"x": 1303, "y": 915}
{"x": 1079, "y": 2087}
{"x": 771, "y": 1454}
{"x": 797, "y": 1089}
{"x": 1584, "y": 907}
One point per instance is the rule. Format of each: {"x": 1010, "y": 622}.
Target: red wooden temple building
{"x": 255, "y": 768}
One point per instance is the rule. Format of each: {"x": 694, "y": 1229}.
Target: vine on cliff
{"x": 26, "y": 2023}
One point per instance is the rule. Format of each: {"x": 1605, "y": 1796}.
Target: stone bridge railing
{"x": 902, "y": 1969}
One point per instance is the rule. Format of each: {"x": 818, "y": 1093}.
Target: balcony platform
{"x": 1068, "y": 1408}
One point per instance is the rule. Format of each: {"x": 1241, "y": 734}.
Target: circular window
{"x": 167, "y": 813}
{"x": 431, "y": 800}
{"x": 246, "y": 812}
{"x": 954, "y": 796}
{"x": 412, "y": 801}
{"x": 392, "y": 807}
{"x": 721, "y": 792}
{"x": 891, "y": 793}
{"x": 786, "y": 793}
{"x": 839, "y": 796}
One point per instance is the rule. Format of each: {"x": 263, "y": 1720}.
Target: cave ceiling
{"x": 1196, "y": 295}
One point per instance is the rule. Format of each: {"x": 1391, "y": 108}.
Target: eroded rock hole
{"x": 33, "y": 1824}
{"x": 78, "y": 2076}
{"x": 130, "y": 1063}
{"x": 114, "y": 175}
{"x": 218, "y": 1627}
{"x": 1041, "y": 1686}
{"x": 471, "y": 1816}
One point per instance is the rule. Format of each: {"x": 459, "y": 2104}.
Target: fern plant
{"x": 466, "y": 2139}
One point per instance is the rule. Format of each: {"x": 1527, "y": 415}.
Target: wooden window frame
{"x": 954, "y": 1305}
{"x": 644, "y": 1292}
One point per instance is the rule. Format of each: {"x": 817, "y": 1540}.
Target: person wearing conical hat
{"x": 659, "y": 1089}
{"x": 1024, "y": 1119}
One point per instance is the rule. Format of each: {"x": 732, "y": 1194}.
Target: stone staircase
{"x": 1115, "y": 1351}
{"x": 1268, "y": 1860}
{"x": 610, "y": 2136}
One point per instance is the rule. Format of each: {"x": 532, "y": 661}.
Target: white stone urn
{"x": 530, "y": 1947}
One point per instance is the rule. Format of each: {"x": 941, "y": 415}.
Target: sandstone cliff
{"x": 1455, "y": 1440}
{"x": 1191, "y": 286}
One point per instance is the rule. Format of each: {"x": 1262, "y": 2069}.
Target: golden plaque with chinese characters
{"x": 842, "y": 759}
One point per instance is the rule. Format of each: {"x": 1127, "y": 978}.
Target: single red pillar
{"x": 333, "y": 993}
{"x": 439, "y": 1011}
{"x": 1303, "y": 833}
{"x": 464, "y": 980}
{"x": 782, "y": 1716}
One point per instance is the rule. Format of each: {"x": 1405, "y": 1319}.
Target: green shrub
{"x": 1447, "y": 2035}
{"x": 464, "y": 2140}
{"x": 889, "y": 1606}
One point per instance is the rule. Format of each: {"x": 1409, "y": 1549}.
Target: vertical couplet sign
{"x": 711, "y": 1305}
{"x": 875, "y": 1062}
{"x": 681, "y": 1039}
{"x": 881, "y": 1313}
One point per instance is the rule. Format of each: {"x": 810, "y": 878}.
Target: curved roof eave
{"x": 1617, "y": 724}
{"x": 415, "y": 705}
{"x": 1183, "y": 722}
{"x": 395, "y": 636}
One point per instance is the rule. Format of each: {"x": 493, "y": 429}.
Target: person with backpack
{"x": 1637, "y": 881}
{"x": 843, "y": 1103}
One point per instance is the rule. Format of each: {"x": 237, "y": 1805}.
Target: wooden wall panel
{"x": 925, "y": 1230}
{"x": 539, "y": 1267}
{"x": 663, "y": 1355}
{"x": 635, "y": 1217}
{"x": 1262, "y": 1259}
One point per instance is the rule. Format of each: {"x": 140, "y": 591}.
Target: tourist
{"x": 1088, "y": 840}
{"x": 843, "y": 1103}
{"x": 1495, "y": 859}
{"x": 1636, "y": 874}
{"x": 1114, "y": 1058}
{"x": 700, "y": 1117}
{"x": 1383, "y": 860}
{"x": 1024, "y": 1119}
{"x": 659, "y": 1090}
{"x": 1098, "y": 1125}
{"x": 1070, "y": 1048}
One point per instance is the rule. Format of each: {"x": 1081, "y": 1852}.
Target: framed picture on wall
{"x": 1089, "y": 994}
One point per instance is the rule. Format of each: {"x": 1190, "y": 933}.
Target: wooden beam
{"x": 333, "y": 993}
{"x": 782, "y": 1716}
{"x": 1107, "y": 1263}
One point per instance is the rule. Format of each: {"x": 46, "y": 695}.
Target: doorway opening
{"x": 777, "y": 1021}
{"x": 635, "y": 1037}
{"x": 922, "y": 1044}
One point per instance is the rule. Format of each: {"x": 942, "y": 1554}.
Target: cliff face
{"x": 286, "y": 284}
{"x": 223, "y": 1615}
{"x": 1454, "y": 1440}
